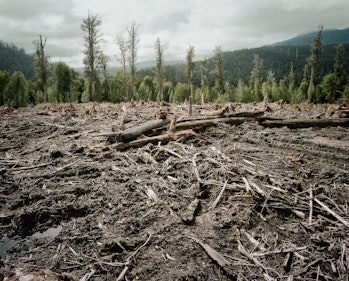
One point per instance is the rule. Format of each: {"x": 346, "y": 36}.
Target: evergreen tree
{"x": 291, "y": 85}
{"x": 77, "y": 87}
{"x": 4, "y": 79}
{"x": 339, "y": 69}
{"x": 218, "y": 71}
{"x": 13, "y": 59}
{"x": 146, "y": 89}
{"x": 92, "y": 50}
{"x": 63, "y": 81}
{"x": 41, "y": 65}
{"x": 168, "y": 90}
{"x": 328, "y": 88}
{"x": 243, "y": 92}
{"x": 315, "y": 50}
{"x": 267, "y": 87}
{"x": 256, "y": 78}
{"x": 17, "y": 90}
{"x": 180, "y": 93}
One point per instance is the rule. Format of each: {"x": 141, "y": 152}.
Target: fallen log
{"x": 299, "y": 123}
{"x": 204, "y": 123}
{"x": 165, "y": 138}
{"x": 134, "y": 132}
{"x": 252, "y": 114}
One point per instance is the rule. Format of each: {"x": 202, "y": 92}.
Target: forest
{"x": 275, "y": 72}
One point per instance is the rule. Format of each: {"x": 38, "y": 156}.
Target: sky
{"x": 204, "y": 24}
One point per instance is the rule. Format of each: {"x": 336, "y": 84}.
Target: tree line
{"x": 208, "y": 80}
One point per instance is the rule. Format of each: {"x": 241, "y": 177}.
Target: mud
{"x": 240, "y": 204}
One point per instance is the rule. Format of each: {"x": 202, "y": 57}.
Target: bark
{"x": 200, "y": 124}
{"x": 298, "y": 124}
{"x": 164, "y": 138}
{"x": 134, "y": 132}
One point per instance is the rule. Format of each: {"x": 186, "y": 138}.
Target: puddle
{"x": 49, "y": 233}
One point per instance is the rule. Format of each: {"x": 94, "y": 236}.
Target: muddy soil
{"x": 244, "y": 202}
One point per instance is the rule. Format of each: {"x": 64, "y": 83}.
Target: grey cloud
{"x": 202, "y": 23}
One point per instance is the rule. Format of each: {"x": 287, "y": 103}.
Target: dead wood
{"x": 157, "y": 126}
{"x": 219, "y": 112}
{"x": 214, "y": 255}
{"x": 134, "y": 132}
{"x": 219, "y": 196}
{"x": 173, "y": 123}
{"x": 204, "y": 123}
{"x": 279, "y": 251}
{"x": 165, "y": 138}
{"x": 299, "y": 123}
{"x": 244, "y": 252}
{"x": 326, "y": 208}
{"x": 251, "y": 114}
{"x": 273, "y": 203}
{"x": 215, "y": 115}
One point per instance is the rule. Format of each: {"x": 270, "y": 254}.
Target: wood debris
{"x": 259, "y": 199}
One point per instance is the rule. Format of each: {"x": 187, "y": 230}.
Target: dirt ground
{"x": 242, "y": 202}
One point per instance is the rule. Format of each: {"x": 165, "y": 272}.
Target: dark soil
{"x": 73, "y": 208}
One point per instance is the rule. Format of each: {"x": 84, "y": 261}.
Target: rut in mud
{"x": 242, "y": 202}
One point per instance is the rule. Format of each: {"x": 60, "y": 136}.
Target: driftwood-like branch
{"x": 199, "y": 124}
{"x": 219, "y": 196}
{"x": 134, "y": 132}
{"x": 298, "y": 123}
{"x": 244, "y": 252}
{"x": 216, "y": 256}
{"x": 157, "y": 126}
{"x": 165, "y": 138}
{"x": 279, "y": 251}
{"x": 222, "y": 113}
{"x": 326, "y": 208}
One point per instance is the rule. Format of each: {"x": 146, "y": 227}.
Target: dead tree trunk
{"x": 134, "y": 132}
{"x": 298, "y": 124}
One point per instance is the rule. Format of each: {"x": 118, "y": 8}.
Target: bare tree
{"x": 92, "y": 50}
{"x": 132, "y": 57}
{"x": 316, "y": 48}
{"x": 103, "y": 64}
{"x": 41, "y": 65}
{"x": 204, "y": 81}
{"x": 160, "y": 69}
{"x": 123, "y": 60}
{"x": 189, "y": 72}
{"x": 256, "y": 78}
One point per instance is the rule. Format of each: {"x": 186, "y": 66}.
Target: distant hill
{"x": 145, "y": 65}
{"x": 279, "y": 59}
{"x": 329, "y": 37}
{"x": 15, "y": 59}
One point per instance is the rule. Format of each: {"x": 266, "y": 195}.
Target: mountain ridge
{"x": 329, "y": 37}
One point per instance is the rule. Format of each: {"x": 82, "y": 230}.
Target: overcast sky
{"x": 204, "y": 24}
